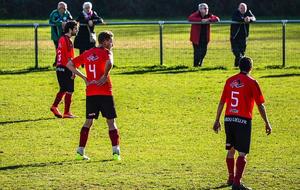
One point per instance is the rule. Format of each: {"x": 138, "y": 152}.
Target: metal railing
{"x": 160, "y": 25}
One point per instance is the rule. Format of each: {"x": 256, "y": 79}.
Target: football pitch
{"x": 165, "y": 117}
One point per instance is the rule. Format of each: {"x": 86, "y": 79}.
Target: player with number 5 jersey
{"x": 239, "y": 94}
{"x": 98, "y": 62}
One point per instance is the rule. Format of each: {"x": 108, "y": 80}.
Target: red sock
{"x": 84, "y": 134}
{"x": 114, "y": 137}
{"x": 240, "y": 166}
{"x": 58, "y": 98}
{"x": 230, "y": 168}
{"x": 68, "y": 100}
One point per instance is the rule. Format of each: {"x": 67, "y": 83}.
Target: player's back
{"x": 240, "y": 92}
{"x": 95, "y": 62}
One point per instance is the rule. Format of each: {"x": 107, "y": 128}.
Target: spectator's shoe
{"x": 56, "y": 112}
{"x": 69, "y": 115}
{"x": 200, "y": 63}
{"x": 240, "y": 187}
{"x": 81, "y": 157}
{"x": 229, "y": 182}
{"x": 116, "y": 157}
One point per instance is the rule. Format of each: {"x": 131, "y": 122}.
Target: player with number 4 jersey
{"x": 239, "y": 94}
{"x": 98, "y": 62}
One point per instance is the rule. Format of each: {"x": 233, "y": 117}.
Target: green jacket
{"x": 56, "y": 20}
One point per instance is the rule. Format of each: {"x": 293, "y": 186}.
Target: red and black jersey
{"x": 240, "y": 92}
{"x": 95, "y": 61}
{"x": 65, "y": 51}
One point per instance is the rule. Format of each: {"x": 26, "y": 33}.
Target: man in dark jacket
{"x": 88, "y": 19}
{"x": 200, "y": 33}
{"x": 240, "y": 32}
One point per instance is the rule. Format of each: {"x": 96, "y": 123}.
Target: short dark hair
{"x": 245, "y": 64}
{"x": 70, "y": 25}
{"x": 106, "y": 35}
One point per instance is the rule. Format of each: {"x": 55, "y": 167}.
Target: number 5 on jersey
{"x": 234, "y": 99}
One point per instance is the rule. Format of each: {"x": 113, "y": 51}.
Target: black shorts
{"x": 64, "y": 77}
{"x": 238, "y": 133}
{"x": 103, "y": 104}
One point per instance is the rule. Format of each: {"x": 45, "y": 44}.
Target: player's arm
{"x": 103, "y": 79}
{"x": 217, "y": 124}
{"x": 71, "y": 67}
{"x": 263, "y": 113}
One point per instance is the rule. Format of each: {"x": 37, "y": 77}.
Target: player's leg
{"x": 69, "y": 85}
{"x": 84, "y": 134}
{"x": 60, "y": 78}
{"x": 243, "y": 137}
{"x": 230, "y": 165}
{"x": 196, "y": 55}
{"x": 202, "y": 52}
{"x": 240, "y": 168}
{"x": 109, "y": 112}
{"x": 114, "y": 138}
{"x": 230, "y": 143}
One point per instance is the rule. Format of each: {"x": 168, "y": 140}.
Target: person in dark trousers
{"x": 240, "y": 32}
{"x": 89, "y": 18}
{"x": 58, "y": 19}
{"x": 200, "y": 33}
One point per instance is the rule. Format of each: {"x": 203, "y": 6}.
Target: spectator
{"x": 200, "y": 33}
{"x": 58, "y": 19}
{"x": 86, "y": 37}
{"x": 240, "y": 32}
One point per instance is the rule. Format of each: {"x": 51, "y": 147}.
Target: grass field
{"x": 139, "y": 45}
{"x": 165, "y": 116}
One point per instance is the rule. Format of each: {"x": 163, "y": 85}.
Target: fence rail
{"x": 160, "y": 32}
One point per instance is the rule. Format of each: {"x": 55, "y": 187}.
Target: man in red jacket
{"x": 200, "y": 33}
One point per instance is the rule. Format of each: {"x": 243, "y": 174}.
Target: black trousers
{"x": 199, "y": 53}
{"x": 238, "y": 47}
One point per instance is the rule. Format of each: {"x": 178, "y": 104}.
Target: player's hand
{"x": 90, "y": 23}
{"x": 87, "y": 83}
{"x": 101, "y": 81}
{"x": 217, "y": 126}
{"x": 205, "y": 20}
{"x": 268, "y": 129}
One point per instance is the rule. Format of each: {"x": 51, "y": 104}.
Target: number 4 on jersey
{"x": 92, "y": 69}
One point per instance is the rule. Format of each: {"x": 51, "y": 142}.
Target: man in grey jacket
{"x": 240, "y": 32}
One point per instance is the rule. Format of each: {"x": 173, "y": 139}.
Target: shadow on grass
{"x": 47, "y": 164}
{"x": 25, "y": 71}
{"x": 167, "y": 70}
{"x": 222, "y": 186}
{"x": 282, "y": 75}
{"x": 25, "y": 120}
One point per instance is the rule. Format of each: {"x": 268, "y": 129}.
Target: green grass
{"x": 139, "y": 46}
{"x": 165, "y": 115}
